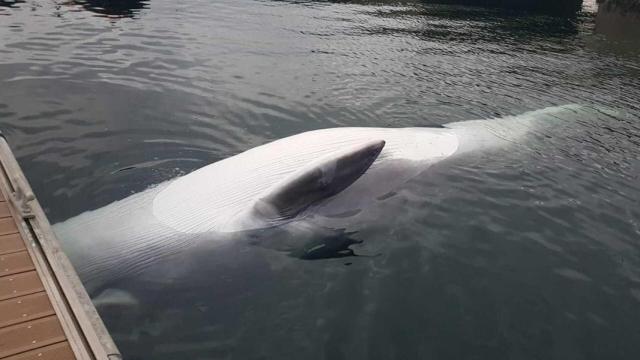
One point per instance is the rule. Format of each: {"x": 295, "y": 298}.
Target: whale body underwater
{"x": 322, "y": 174}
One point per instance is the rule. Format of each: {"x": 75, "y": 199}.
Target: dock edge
{"x": 85, "y": 331}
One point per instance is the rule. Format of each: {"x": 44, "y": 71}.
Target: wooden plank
{"x": 58, "y": 275}
{"x": 4, "y": 209}
{"x": 11, "y": 243}
{"x": 59, "y": 351}
{"x": 8, "y": 226}
{"x": 19, "y": 285}
{"x": 15, "y": 263}
{"x": 30, "y": 335}
{"x": 83, "y": 331}
{"x": 75, "y": 336}
{"x": 25, "y": 308}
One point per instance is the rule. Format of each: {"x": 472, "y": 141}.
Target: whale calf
{"x": 328, "y": 173}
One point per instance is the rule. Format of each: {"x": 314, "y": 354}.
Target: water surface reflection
{"x": 528, "y": 253}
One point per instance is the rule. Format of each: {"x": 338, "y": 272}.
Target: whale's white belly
{"x": 216, "y": 197}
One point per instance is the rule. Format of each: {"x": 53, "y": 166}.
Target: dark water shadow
{"x": 337, "y": 245}
{"x": 307, "y": 241}
{"x": 619, "y": 20}
{"x": 11, "y": 3}
{"x": 557, "y": 7}
{"x": 114, "y": 8}
{"x": 473, "y": 27}
{"x": 501, "y": 22}
{"x": 457, "y": 21}
{"x": 552, "y": 7}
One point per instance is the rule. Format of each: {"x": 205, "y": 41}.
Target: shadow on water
{"x": 619, "y": 20}
{"x": 443, "y": 23}
{"x": 457, "y": 20}
{"x": 331, "y": 247}
{"x": 555, "y": 7}
{"x": 114, "y": 8}
{"x": 10, "y": 3}
{"x": 560, "y": 7}
{"x": 308, "y": 241}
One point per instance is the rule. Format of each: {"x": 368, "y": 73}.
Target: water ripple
{"x": 498, "y": 250}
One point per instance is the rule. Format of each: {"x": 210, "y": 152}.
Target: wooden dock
{"x": 45, "y": 312}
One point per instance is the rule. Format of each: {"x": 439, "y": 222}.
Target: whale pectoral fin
{"x": 318, "y": 181}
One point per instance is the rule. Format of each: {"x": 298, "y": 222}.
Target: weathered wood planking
{"x": 45, "y": 313}
{"x": 15, "y": 263}
{"x": 19, "y": 285}
{"x": 59, "y": 351}
{"x": 25, "y": 308}
{"x": 11, "y": 243}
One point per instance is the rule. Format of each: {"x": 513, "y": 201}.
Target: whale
{"x": 324, "y": 177}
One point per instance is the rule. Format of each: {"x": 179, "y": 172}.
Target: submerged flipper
{"x": 317, "y": 181}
